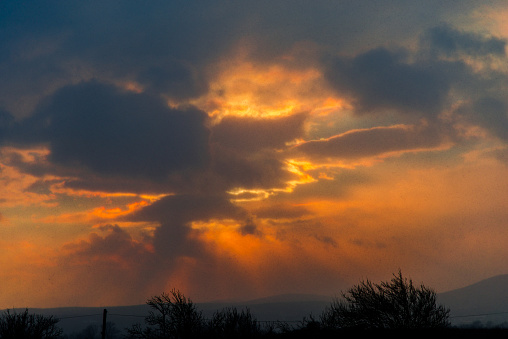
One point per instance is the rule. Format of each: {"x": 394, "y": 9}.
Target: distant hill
{"x": 283, "y": 298}
{"x": 286, "y": 307}
{"x": 485, "y": 302}
{"x": 76, "y": 319}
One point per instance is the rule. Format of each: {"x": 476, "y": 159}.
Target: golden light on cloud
{"x": 245, "y": 88}
{"x": 96, "y": 215}
{"x": 331, "y": 104}
{"x": 243, "y": 194}
{"x": 299, "y": 168}
{"x": 131, "y": 86}
{"x": 59, "y": 186}
{"x": 115, "y": 213}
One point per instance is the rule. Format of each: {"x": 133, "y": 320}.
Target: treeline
{"x": 397, "y": 308}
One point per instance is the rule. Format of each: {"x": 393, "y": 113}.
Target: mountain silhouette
{"x": 485, "y": 301}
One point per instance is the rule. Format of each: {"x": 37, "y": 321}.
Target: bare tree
{"x": 15, "y": 325}
{"x": 396, "y": 304}
{"x": 172, "y": 316}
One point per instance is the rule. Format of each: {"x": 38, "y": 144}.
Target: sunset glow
{"x": 242, "y": 151}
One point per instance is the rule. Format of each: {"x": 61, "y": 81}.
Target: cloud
{"x": 490, "y": 113}
{"x": 452, "y": 42}
{"x": 258, "y": 171}
{"x": 6, "y": 124}
{"x": 170, "y": 47}
{"x": 501, "y": 155}
{"x": 282, "y": 211}
{"x": 247, "y": 135}
{"x": 116, "y": 248}
{"x": 245, "y": 150}
{"x": 109, "y": 265}
{"x": 249, "y": 228}
{"x": 373, "y": 142}
{"x": 110, "y": 132}
{"x": 185, "y": 208}
{"x": 106, "y": 109}
{"x": 449, "y": 72}
{"x": 174, "y": 214}
{"x": 339, "y": 188}
{"x": 177, "y": 80}
{"x": 381, "y": 79}
{"x": 493, "y": 114}
{"x": 326, "y": 240}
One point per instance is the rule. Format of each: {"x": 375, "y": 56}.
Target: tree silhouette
{"x": 396, "y": 304}
{"x": 28, "y": 326}
{"x": 172, "y": 316}
{"x": 230, "y": 323}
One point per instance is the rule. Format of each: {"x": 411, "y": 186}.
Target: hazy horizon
{"x": 239, "y": 150}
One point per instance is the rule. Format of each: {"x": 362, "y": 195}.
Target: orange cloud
{"x": 96, "y": 215}
{"x": 16, "y": 185}
{"x": 256, "y": 262}
{"x": 243, "y": 87}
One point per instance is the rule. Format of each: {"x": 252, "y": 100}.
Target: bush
{"x": 229, "y": 323}
{"x": 397, "y": 304}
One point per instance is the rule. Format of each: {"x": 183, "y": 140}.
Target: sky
{"x": 241, "y": 149}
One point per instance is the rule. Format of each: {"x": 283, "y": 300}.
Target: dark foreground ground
{"x": 434, "y": 334}
{"x": 306, "y": 333}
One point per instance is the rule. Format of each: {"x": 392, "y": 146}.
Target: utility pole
{"x": 104, "y": 314}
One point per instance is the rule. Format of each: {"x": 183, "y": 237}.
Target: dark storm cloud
{"x": 421, "y": 83}
{"x": 6, "y": 125}
{"x": 243, "y": 149}
{"x": 492, "y": 113}
{"x": 452, "y": 42}
{"x": 488, "y": 112}
{"x": 485, "y": 89}
{"x": 252, "y": 171}
{"x": 185, "y": 208}
{"x": 169, "y": 45}
{"x": 382, "y": 79}
{"x": 176, "y": 80}
{"x": 246, "y": 134}
{"x": 112, "y": 132}
{"x": 164, "y": 45}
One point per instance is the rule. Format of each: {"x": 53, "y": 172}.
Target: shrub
{"x": 396, "y": 304}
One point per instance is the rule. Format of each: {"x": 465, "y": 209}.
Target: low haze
{"x": 238, "y": 150}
